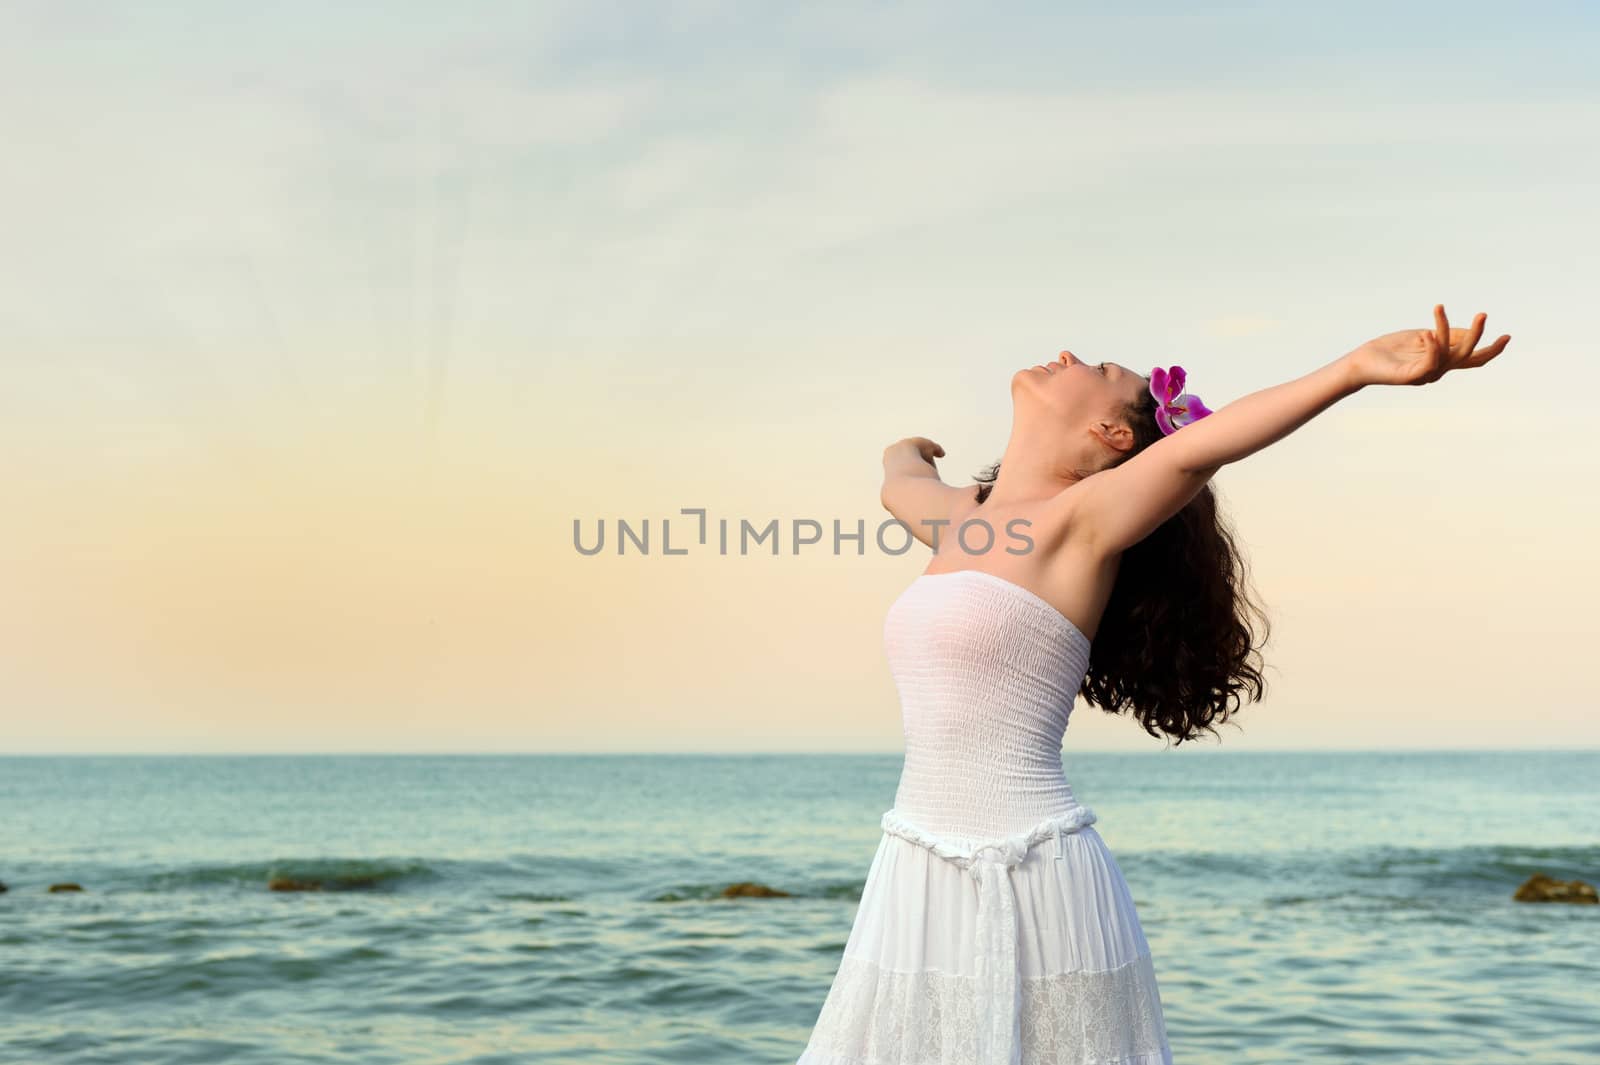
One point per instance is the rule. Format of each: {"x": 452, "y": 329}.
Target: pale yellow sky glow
{"x": 314, "y": 355}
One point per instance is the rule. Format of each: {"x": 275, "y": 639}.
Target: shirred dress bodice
{"x": 987, "y": 672}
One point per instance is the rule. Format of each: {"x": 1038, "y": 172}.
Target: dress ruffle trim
{"x": 879, "y": 1016}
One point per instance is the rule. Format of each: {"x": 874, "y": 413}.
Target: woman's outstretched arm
{"x": 1245, "y": 426}
{"x": 912, "y": 490}
{"x": 1252, "y": 422}
{"x": 1121, "y": 506}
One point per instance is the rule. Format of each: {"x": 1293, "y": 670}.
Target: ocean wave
{"x": 1490, "y": 863}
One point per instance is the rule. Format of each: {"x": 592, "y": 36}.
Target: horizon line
{"x": 758, "y": 753}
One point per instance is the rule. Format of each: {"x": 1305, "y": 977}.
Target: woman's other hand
{"x": 911, "y": 449}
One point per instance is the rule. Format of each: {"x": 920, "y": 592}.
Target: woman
{"x": 995, "y": 927}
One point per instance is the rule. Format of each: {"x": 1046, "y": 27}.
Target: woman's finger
{"x": 1477, "y": 330}
{"x": 1430, "y": 349}
{"x": 1488, "y": 351}
{"x": 1441, "y": 324}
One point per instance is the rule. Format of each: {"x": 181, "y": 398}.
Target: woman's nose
{"x": 1067, "y": 358}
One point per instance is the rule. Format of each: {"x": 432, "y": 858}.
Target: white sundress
{"x": 995, "y": 927}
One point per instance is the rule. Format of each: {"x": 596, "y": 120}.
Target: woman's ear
{"x": 1114, "y": 435}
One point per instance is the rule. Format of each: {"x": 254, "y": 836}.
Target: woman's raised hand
{"x": 920, "y": 446}
{"x": 913, "y": 449}
{"x": 1422, "y": 356}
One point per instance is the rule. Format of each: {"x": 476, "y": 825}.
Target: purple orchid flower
{"x": 1175, "y": 408}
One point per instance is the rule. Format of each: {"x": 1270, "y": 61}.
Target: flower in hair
{"x": 1175, "y": 408}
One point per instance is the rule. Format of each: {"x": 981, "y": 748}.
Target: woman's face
{"x": 1070, "y": 393}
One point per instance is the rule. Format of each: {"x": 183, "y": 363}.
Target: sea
{"x": 1301, "y": 907}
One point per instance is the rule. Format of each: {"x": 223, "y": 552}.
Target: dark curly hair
{"x": 1176, "y": 645}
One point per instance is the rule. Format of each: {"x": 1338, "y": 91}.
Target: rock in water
{"x": 339, "y": 883}
{"x": 747, "y": 889}
{"x": 66, "y": 887}
{"x": 285, "y": 883}
{"x": 1541, "y": 888}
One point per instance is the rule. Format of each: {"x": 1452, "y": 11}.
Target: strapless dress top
{"x": 987, "y": 672}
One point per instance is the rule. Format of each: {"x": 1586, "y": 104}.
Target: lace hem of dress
{"x": 879, "y": 1016}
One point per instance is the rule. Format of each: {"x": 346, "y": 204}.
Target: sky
{"x": 322, "y": 326}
